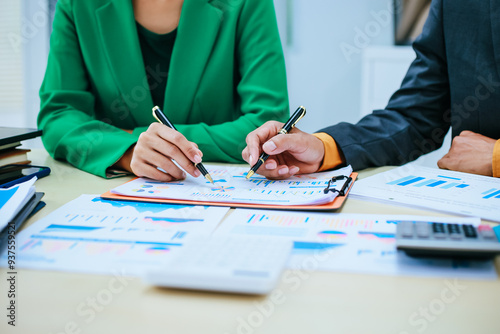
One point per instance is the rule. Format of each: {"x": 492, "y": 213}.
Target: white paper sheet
{"x": 351, "y": 242}
{"x": 231, "y": 186}
{"x": 99, "y": 236}
{"x": 13, "y": 199}
{"x": 437, "y": 189}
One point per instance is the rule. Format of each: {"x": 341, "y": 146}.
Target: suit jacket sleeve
{"x": 418, "y": 115}
{"x": 71, "y": 131}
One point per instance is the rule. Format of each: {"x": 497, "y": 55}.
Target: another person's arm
{"x": 416, "y": 118}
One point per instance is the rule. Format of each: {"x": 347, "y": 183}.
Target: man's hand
{"x": 470, "y": 153}
{"x": 290, "y": 154}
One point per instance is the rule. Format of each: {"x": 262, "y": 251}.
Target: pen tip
{"x": 249, "y": 174}
{"x": 209, "y": 178}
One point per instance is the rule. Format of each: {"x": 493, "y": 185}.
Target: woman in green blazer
{"x": 222, "y": 76}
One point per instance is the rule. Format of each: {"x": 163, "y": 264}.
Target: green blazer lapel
{"x": 196, "y": 35}
{"x": 120, "y": 43}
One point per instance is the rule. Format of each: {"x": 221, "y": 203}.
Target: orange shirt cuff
{"x": 333, "y": 157}
{"x": 496, "y": 159}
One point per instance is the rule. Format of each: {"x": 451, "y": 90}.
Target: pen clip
{"x": 298, "y": 119}
{"x": 154, "y": 114}
{"x": 290, "y": 124}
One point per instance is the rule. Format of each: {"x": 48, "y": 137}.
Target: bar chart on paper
{"x": 441, "y": 181}
{"x": 94, "y": 235}
{"x": 442, "y": 190}
{"x": 347, "y": 242}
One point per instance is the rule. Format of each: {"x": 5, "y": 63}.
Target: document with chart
{"x": 350, "y": 243}
{"x": 231, "y": 186}
{"x": 93, "y": 235}
{"x": 442, "y": 190}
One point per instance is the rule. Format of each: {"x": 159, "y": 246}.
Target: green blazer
{"x": 227, "y": 77}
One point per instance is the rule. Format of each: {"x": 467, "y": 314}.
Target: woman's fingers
{"x": 157, "y": 147}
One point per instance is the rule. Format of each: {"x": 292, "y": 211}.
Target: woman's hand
{"x": 290, "y": 154}
{"x": 157, "y": 147}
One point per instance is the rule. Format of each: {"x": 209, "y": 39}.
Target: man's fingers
{"x": 293, "y": 143}
{"x": 280, "y": 173}
{"x": 256, "y": 138}
{"x": 467, "y": 133}
{"x": 270, "y": 164}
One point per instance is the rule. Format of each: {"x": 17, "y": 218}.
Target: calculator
{"x": 448, "y": 240}
{"x": 247, "y": 265}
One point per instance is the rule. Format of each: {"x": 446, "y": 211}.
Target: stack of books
{"x": 20, "y": 201}
{"x": 11, "y": 154}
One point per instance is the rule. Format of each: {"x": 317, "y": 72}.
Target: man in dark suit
{"x": 454, "y": 81}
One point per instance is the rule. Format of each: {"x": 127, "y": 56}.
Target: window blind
{"x": 11, "y": 58}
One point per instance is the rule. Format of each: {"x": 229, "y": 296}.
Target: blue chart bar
{"x": 449, "y": 177}
{"x": 402, "y": 180}
{"x": 463, "y": 186}
{"x": 435, "y": 184}
{"x": 421, "y": 184}
{"x": 449, "y": 185}
{"x": 489, "y": 191}
{"x": 493, "y": 195}
{"x": 411, "y": 181}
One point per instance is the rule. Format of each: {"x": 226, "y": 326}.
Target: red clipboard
{"x": 334, "y": 205}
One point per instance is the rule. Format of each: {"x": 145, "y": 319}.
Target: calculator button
{"x": 486, "y": 231}
{"x": 453, "y": 229}
{"x": 469, "y": 231}
{"x": 438, "y": 228}
{"x": 440, "y": 235}
{"x": 422, "y": 229}
{"x": 406, "y": 229}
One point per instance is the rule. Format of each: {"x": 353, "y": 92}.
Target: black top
{"x": 156, "y": 53}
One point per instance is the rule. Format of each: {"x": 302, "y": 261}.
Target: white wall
{"x": 36, "y": 37}
{"x": 325, "y": 41}
{"x": 11, "y": 65}
{"x": 24, "y": 38}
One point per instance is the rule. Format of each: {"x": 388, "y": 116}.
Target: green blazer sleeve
{"x": 72, "y": 130}
{"x": 227, "y": 77}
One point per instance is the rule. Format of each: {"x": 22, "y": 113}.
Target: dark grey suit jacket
{"x": 454, "y": 81}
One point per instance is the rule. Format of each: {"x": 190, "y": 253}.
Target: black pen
{"x": 162, "y": 118}
{"x": 289, "y": 125}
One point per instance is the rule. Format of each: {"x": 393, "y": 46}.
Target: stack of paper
{"x": 231, "y": 186}
{"x": 13, "y": 199}
{"x": 437, "y": 189}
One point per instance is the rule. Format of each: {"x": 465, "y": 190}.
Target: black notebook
{"x": 10, "y": 137}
